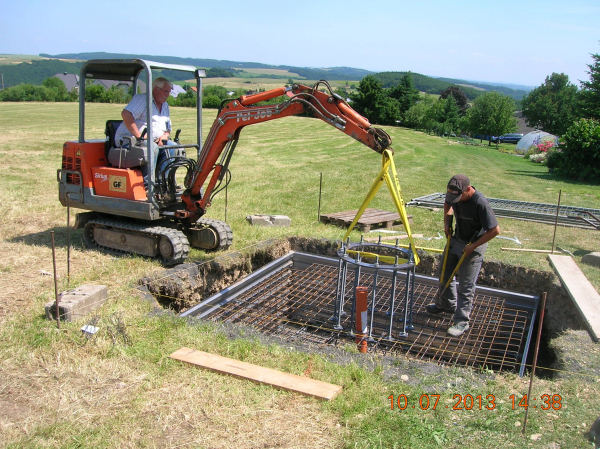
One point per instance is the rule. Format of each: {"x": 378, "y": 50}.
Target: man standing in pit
{"x": 476, "y": 225}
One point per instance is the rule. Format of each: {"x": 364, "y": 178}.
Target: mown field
{"x": 60, "y": 390}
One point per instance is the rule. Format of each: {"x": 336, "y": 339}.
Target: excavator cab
{"x": 102, "y": 175}
{"x": 127, "y": 214}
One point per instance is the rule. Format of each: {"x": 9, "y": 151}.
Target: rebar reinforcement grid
{"x": 579, "y": 217}
{"x": 297, "y": 302}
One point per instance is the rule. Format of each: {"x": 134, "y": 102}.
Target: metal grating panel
{"x": 297, "y": 302}
{"x": 521, "y": 210}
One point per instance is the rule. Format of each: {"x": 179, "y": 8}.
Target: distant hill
{"x": 508, "y": 89}
{"x": 337, "y": 73}
{"x": 424, "y": 83}
{"x": 36, "y": 71}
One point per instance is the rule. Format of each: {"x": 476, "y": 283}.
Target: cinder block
{"x": 282, "y": 221}
{"x": 592, "y": 259}
{"x": 259, "y": 220}
{"x": 78, "y": 302}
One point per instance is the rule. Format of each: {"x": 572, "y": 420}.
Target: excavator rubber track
{"x": 210, "y": 235}
{"x": 118, "y": 237}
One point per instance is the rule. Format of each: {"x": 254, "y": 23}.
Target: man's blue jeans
{"x": 460, "y": 298}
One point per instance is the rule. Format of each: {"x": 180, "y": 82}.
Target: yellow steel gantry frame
{"x": 391, "y": 179}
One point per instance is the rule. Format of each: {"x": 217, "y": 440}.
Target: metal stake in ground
{"x": 68, "y": 240}
{"x": 556, "y": 221}
{"x": 55, "y": 284}
{"x": 320, "y": 190}
{"x": 535, "y": 354}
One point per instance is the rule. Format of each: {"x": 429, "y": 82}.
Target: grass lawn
{"x": 61, "y": 390}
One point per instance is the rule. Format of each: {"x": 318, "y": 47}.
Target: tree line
{"x": 490, "y": 114}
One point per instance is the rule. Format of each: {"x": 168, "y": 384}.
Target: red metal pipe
{"x": 362, "y": 328}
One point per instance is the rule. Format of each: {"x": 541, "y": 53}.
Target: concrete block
{"x": 78, "y": 302}
{"x": 281, "y": 221}
{"x": 592, "y": 259}
{"x": 259, "y": 220}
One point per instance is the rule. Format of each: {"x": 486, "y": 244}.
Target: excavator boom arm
{"x": 241, "y": 112}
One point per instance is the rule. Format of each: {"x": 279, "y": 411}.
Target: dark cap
{"x": 457, "y": 185}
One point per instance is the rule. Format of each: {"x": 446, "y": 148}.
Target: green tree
{"x": 492, "y": 114}
{"x": 552, "y": 106}
{"x": 211, "y": 101}
{"x": 449, "y": 115}
{"x": 372, "y": 101}
{"x": 115, "y": 95}
{"x": 590, "y": 93}
{"x": 93, "y": 93}
{"x": 217, "y": 91}
{"x": 459, "y": 97}
{"x": 58, "y": 86}
{"x": 405, "y": 93}
{"x": 415, "y": 116}
{"x": 580, "y": 157}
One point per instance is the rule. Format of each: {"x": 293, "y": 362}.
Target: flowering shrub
{"x": 539, "y": 158}
{"x": 544, "y": 147}
{"x": 540, "y": 147}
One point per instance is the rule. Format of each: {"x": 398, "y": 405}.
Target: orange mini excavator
{"x": 162, "y": 219}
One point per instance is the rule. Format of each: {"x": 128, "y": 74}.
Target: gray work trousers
{"x": 461, "y": 299}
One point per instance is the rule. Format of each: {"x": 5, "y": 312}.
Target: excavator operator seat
{"x": 123, "y": 156}
{"x": 110, "y": 131}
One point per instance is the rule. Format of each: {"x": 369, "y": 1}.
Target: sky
{"x": 505, "y": 41}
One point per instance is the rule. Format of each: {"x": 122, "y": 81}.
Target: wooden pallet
{"x": 370, "y": 218}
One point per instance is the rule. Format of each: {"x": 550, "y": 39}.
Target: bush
{"x": 581, "y": 151}
{"x": 27, "y": 92}
{"x": 554, "y": 160}
{"x": 211, "y": 102}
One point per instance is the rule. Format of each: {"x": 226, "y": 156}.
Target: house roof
{"x": 70, "y": 79}
{"x": 177, "y": 89}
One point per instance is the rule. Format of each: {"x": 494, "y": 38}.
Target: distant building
{"x": 70, "y": 79}
{"x": 177, "y": 89}
{"x": 107, "y": 84}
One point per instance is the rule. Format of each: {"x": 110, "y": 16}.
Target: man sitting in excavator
{"x": 134, "y": 121}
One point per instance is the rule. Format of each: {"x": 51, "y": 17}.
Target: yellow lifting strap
{"x": 387, "y": 165}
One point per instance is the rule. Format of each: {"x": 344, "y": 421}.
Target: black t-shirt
{"x": 474, "y": 215}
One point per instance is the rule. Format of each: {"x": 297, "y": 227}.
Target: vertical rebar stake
{"x": 373, "y": 298}
{"x": 68, "y": 241}
{"x": 556, "y": 221}
{"x": 393, "y": 300}
{"x": 55, "y": 284}
{"x": 320, "y": 190}
{"x": 356, "y": 284}
{"x": 336, "y": 311}
{"x": 535, "y": 354}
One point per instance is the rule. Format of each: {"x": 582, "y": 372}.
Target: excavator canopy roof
{"x": 128, "y": 69}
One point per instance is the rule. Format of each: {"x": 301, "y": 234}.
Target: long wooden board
{"x": 278, "y": 379}
{"x": 585, "y": 297}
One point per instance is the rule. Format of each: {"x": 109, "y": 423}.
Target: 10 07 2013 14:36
{"x": 470, "y": 402}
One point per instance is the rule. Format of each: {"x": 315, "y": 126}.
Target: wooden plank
{"x": 585, "y": 297}
{"x": 528, "y": 250}
{"x": 278, "y": 379}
